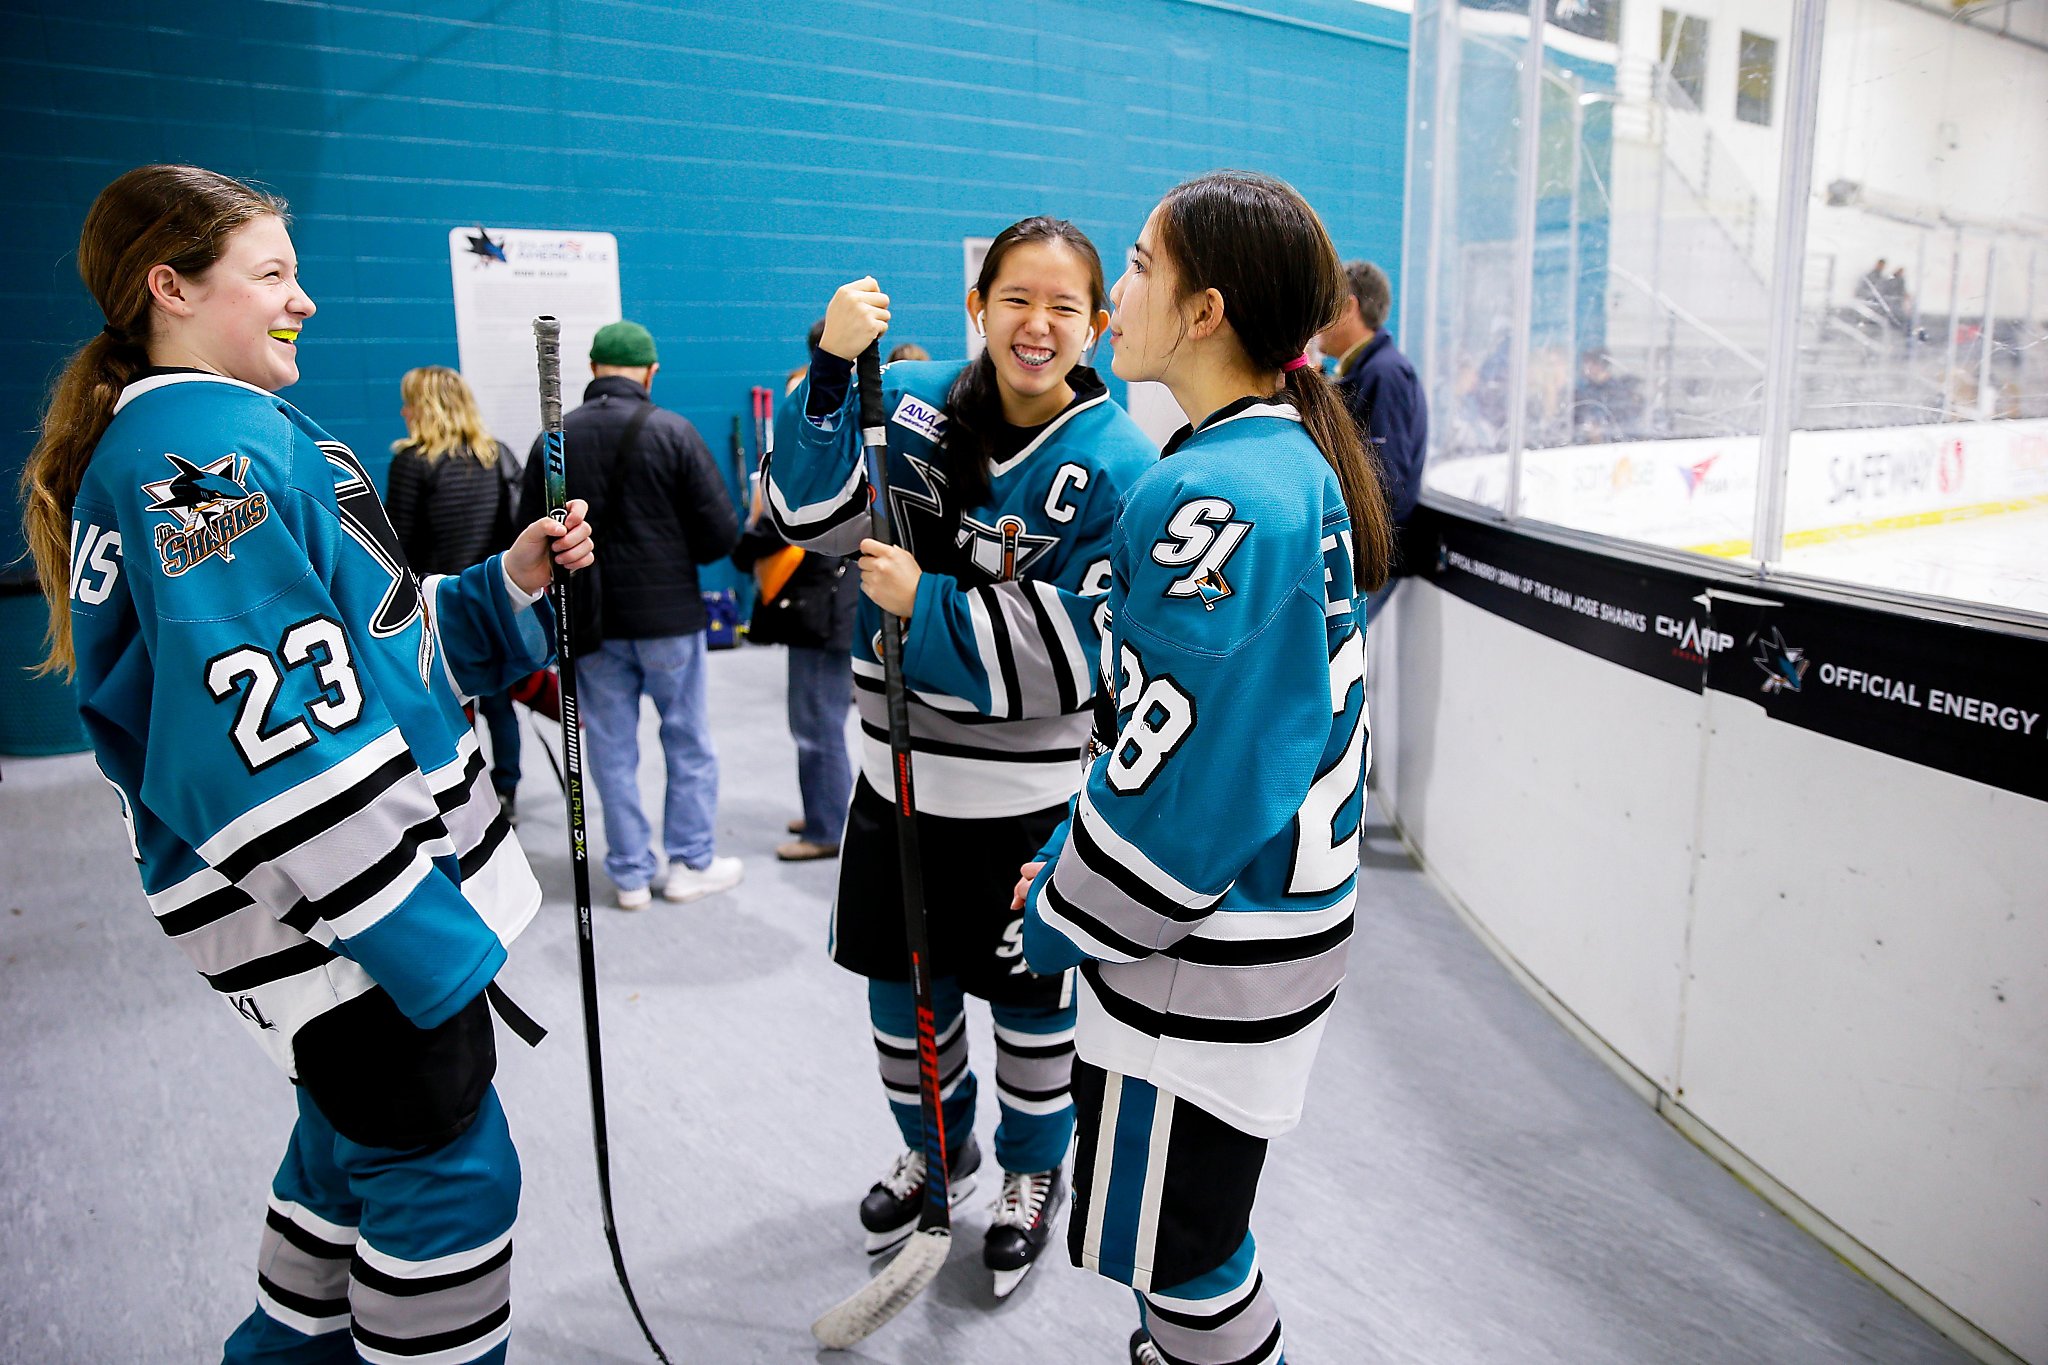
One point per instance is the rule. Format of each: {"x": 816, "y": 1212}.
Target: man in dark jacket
{"x": 652, "y": 486}
{"x": 1385, "y": 398}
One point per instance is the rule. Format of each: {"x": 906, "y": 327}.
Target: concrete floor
{"x": 1469, "y": 1184}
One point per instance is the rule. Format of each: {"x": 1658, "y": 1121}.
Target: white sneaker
{"x": 686, "y": 883}
{"x": 634, "y": 897}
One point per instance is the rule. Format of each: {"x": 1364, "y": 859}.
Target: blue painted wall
{"x": 750, "y": 158}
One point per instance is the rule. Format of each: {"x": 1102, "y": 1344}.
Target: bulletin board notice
{"x": 504, "y": 279}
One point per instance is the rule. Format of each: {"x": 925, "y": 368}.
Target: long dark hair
{"x": 974, "y": 405}
{"x": 1255, "y": 241}
{"x": 180, "y": 216}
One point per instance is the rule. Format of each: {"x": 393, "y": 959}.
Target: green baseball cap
{"x": 622, "y": 343}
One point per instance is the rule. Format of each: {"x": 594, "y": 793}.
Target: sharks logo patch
{"x": 210, "y": 507}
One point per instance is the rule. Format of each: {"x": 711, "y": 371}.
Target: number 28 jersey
{"x": 1206, "y": 878}
{"x": 278, "y": 703}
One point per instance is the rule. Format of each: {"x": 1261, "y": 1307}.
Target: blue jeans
{"x": 820, "y": 691}
{"x": 503, "y": 723}
{"x": 611, "y": 680}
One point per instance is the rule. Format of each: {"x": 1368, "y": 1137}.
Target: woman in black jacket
{"x": 808, "y": 607}
{"x": 450, "y": 500}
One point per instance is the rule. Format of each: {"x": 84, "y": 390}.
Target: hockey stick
{"x": 547, "y": 333}
{"x": 914, "y": 1267}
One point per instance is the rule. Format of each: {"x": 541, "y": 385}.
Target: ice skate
{"x": 1024, "y": 1214}
{"x": 890, "y": 1211}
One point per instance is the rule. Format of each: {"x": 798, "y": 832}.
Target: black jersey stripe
{"x": 1095, "y": 928}
{"x": 435, "y": 1341}
{"x": 365, "y": 884}
{"x": 1055, "y": 650}
{"x": 287, "y": 835}
{"x": 300, "y": 957}
{"x": 213, "y": 906}
{"x": 1005, "y": 662}
{"x": 874, "y": 685}
{"x": 473, "y": 861}
{"x": 1097, "y": 860}
{"x": 1270, "y": 952}
{"x": 456, "y": 795}
{"x": 363, "y": 1273}
{"x": 944, "y": 748}
{"x": 1195, "y": 1028}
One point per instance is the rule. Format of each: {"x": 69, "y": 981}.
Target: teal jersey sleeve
{"x": 815, "y": 482}
{"x": 488, "y": 640}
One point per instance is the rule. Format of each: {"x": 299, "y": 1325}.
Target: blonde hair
{"x": 441, "y": 416}
{"x": 179, "y": 216}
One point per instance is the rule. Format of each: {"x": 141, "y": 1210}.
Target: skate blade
{"x": 1007, "y": 1280}
{"x": 880, "y": 1242}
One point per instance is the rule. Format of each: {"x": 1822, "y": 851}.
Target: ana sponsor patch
{"x": 921, "y": 417}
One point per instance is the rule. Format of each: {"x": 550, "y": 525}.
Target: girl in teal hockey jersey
{"x": 1004, "y": 477}
{"x": 1204, "y": 884}
{"x": 277, "y": 702}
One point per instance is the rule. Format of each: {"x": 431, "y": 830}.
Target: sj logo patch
{"x": 921, "y": 417}
{"x": 209, "y": 507}
{"x": 1202, "y": 535}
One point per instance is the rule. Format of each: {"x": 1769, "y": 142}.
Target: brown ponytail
{"x": 180, "y": 216}
{"x": 1255, "y": 240}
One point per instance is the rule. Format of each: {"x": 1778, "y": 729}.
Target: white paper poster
{"x": 504, "y": 279}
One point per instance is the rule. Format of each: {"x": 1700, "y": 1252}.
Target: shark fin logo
{"x": 1784, "y": 666}
{"x": 486, "y": 248}
{"x": 210, "y": 507}
{"x": 367, "y": 524}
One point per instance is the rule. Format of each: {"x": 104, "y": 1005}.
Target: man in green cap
{"x": 653, "y": 487}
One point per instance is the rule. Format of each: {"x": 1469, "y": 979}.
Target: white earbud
{"x": 981, "y": 323}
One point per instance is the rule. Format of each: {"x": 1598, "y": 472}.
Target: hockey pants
{"x": 1163, "y": 1193}
{"x": 1034, "y": 1063}
{"x": 385, "y": 1256}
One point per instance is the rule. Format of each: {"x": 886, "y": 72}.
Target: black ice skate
{"x": 1143, "y": 1352}
{"x": 1025, "y": 1213}
{"x": 890, "y": 1211}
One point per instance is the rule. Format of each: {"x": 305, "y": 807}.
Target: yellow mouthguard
{"x": 285, "y": 334}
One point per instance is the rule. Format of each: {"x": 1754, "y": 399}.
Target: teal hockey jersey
{"x": 1205, "y": 880}
{"x": 277, "y": 702}
{"x": 999, "y": 650}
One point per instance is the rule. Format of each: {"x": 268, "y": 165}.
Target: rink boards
{"x": 1778, "y": 858}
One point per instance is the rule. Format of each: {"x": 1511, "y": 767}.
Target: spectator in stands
{"x": 451, "y": 494}
{"x": 1872, "y": 293}
{"x": 1379, "y": 386}
{"x": 1608, "y": 405}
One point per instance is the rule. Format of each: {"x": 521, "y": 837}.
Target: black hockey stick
{"x": 547, "y": 333}
{"x": 914, "y": 1267}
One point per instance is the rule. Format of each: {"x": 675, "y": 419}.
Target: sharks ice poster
{"x": 504, "y": 279}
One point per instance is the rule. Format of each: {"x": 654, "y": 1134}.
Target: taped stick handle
{"x": 547, "y": 336}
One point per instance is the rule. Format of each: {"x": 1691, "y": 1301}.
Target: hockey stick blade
{"x": 884, "y": 1296}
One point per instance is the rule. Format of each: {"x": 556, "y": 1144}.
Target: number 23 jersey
{"x": 278, "y": 703}
{"x": 1206, "y": 881}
